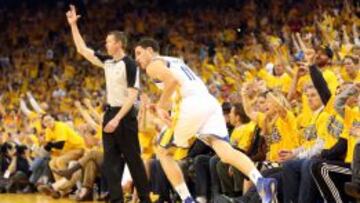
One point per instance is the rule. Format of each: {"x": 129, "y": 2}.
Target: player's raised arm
{"x": 80, "y": 44}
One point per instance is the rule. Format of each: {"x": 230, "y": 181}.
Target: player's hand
{"x": 112, "y": 125}
{"x": 163, "y": 115}
{"x": 71, "y": 15}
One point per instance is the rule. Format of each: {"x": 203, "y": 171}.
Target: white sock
{"x": 201, "y": 199}
{"x": 254, "y": 176}
{"x": 183, "y": 191}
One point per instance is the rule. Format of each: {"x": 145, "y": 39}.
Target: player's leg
{"x": 266, "y": 186}
{"x": 170, "y": 166}
{"x": 173, "y": 173}
{"x": 187, "y": 121}
{"x": 214, "y": 133}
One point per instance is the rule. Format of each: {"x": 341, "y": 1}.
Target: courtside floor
{"x": 32, "y": 198}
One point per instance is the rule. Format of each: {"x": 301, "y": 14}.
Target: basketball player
{"x": 199, "y": 113}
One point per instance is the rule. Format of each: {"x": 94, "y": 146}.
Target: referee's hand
{"x": 71, "y": 15}
{"x": 112, "y": 125}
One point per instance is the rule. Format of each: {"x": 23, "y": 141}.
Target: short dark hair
{"x": 149, "y": 42}
{"x": 240, "y": 111}
{"x": 226, "y": 107}
{"x": 120, "y": 37}
{"x": 327, "y": 51}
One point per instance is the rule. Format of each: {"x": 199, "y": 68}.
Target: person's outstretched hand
{"x": 71, "y": 15}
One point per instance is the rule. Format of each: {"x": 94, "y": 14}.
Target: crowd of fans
{"x": 286, "y": 72}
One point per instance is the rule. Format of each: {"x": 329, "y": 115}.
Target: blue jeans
{"x": 202, "y": 175}
{"x": 215, "y": 182}
{"x": 39, "y": 167}
{"x": 298, "y": 183}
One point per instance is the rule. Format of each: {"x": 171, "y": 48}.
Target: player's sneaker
{"x": 189, "y": 200}
{"x": 266, "y": 188}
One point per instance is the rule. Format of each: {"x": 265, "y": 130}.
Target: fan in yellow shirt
{"x": 347, "y": 105}
{"x": 350, "y": 70}
{"x": 278, "y": 123}
{"x": 58, "y": 131}
{"x": 242, "y": 135}
{"x": 278, "y": 80}
{"x": 351, "y": 130}
{"x": 61, "y": 138}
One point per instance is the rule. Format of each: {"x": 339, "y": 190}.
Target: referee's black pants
{"x": 123, "y": 146}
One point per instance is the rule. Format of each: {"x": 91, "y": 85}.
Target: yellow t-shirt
{"x": 282, "y": 82}
{"x": 309, "y": 134}
{"x": 99, "y": 134}
{"x": 305, "y": 115}
{"x": 63, "y": 132}
{"x": 35, "y": 140}
{"x": 330, "y": 105}
{"x": 351, "y": 119}
{"x": 345, "y": 76}
{"x": 331, "y": 80}
{"x": 284, "y": 135}
{"x": 242, "y": 136}
{"x": 329, "y": 128}
{"x": 35, "y": 121}
{"x": 329, "y": 76}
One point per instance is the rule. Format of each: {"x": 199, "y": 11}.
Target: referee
{"x": 120, "y": 128}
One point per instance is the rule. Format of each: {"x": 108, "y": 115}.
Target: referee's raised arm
{"x": 81, "y": 47}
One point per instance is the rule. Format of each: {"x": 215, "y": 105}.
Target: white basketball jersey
{"x": 190, "y": 84}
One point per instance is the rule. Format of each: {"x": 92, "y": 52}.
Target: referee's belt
{"x": 108, "y": 107}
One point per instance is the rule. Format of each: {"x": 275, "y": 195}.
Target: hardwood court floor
{"x": 32, "y": 198}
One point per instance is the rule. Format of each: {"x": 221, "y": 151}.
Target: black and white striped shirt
{"x": 120, "y": 75}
